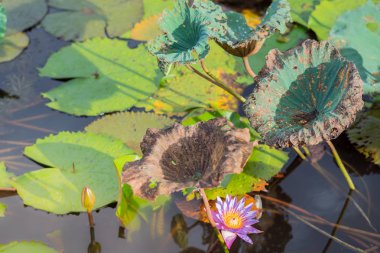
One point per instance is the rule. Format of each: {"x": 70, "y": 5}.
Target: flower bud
{"x": 88, "y": 199}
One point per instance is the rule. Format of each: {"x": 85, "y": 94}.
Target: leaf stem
{"x": 299, "y": 153}
{"x": 90, "y": 219}
{"x": 248, "y": 67}
{"x": 211, "y": 219}
{"x": 213, "y": 79}
{"x": 341, "y": 165}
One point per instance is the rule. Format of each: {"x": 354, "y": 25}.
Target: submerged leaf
{"x": 179, "y": 231}
{"x": 365, "y": 135}
{"x": 305, "y": 95}
{"x": 81, "y": 20}
{"x": 107, "y": 77}
{"x": 3, "y": 208}
{"x": 77, "y": 160}
{"x": 357, "y": 34}
{"x": 129, "y": 127}
{"x": 18, "y": 247}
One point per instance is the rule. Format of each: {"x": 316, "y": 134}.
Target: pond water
{"x": 26, "y": 118}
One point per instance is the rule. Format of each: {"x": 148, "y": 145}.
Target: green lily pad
{"x": 3, "y": 23}
{"x": 325, "y": 14}
{"x": 186, "y": 30}
{"x": 76, "y": 160}
{"x": 3, "y": 208}
{"x": 282, "y": 42}
{"x": 264, "y": 163}
{"x": 154, "y": 7}
{"x": 108, "y": 77}
{"x": 23, "y": 14}
{"x": 32, "y": 247}
{"x": 357, "y": 33}
{"x": 302, "y": 9}
{"x": 84, "y": 19}
{"x": 130, "y": 127}
{"x": 304, "y": 96}
{"x": 12, "y": 46}
{"x": 366, "y": 137}
{"x": 5, "y": 177}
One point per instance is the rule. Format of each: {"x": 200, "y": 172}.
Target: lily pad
{"x": 304, "y": 96}
{"x": 107, "y": 76}
{"x": 3, "y": 23}
{"x": 325, "y": 14}
{"x": 366, "y": 137}
{"x": 154, "y": 7}
{"x": 357, "y": 33}
{"x": 145, "y": 30}
{"x": 264, "y": 163}
{"x": 130, "y": 127}
{"x": 12, "y": 46}
{"x": 17, "y": 247}
{"x": 5, "y": 177}
{"x": 76, "y": 160}
{"x": 302, "y": 9}
{"x": 84, "y": 19}
{"x": 23, "y": 14}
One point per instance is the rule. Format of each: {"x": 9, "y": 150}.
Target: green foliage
{"x": 3, "y": 208}
{"x": 12, "y": 46}
{"x": 76, "y": 160}
{"x": 130, "y": 127}
{"x": 302, "y": 9}
{"x": 84, "y": 19}
{"x": 107, "y": 77}
{"x": 5, "y": 177}
{"x": 264, "y": 163}
{"x": 23, "y": 14}
{"x": 154, "y": 7}
{"x": 3, "y": 22}
{"x": 32, "y": 247}
{"x": 357, "y": 34}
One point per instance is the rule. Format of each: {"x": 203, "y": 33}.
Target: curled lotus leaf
{"x": 186, "y": 31}
{"x": 181, "y": 157}
{"x": 305, "y": 95}
{"x": 242, "y": 40}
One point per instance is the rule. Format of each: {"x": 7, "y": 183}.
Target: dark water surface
{"x": 24, "y": 118}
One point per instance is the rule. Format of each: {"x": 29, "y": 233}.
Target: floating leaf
{"x": 5, "y": 177}
{"x": 77, "y": 160}
{"x": 302, "y": 9}
{"x": 83, "y": 19}
{"x": 242, "y": 40}
{"x": 264, "y": 163}
{"x": 154, "y": 7}
{"x": 305, "y": 96}
{"x": 12, "y": 46}
{"x": 365, "y": 135}
{"x": 357, "y": 33}
{"x": 23, "y": 14}
{"x": 186, "y": 30}
{"x": 3, "y": 22}
{"x": 129, "y": 127}
{"x": 18, "y": 247}
{"x": 145, "y": 30}
{"x": 179, "y": 231}
{"x": 108, "y": 77}
{"x": 326, "y": 13}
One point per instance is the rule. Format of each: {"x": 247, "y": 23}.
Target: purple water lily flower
{"x": 233, "y": 218}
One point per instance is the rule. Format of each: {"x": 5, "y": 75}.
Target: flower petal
{"x": 228, "y": 237}
{"x": 245, "y": 238}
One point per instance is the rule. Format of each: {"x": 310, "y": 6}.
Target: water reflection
{"x": 94, "y": 246}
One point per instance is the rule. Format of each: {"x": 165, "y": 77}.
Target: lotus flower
{"x": 187, "y": 30}
{"x": 181, "y": 157}
{"x": 234, "y": 219}
{"x": 305, "y": 95}
{"x": 242, "y": 40}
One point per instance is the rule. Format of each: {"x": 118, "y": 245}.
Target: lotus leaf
{"x": 325, "y": 14}
{"x": 264, "y": 163}
{"x": 242, "y": 40}
{"x": 12, "y": 46}
{"x": 83, "y": 19}
{"x": 3, "y": 23}
{"x": 302, "y": 9}
{"x": 32, "y": 247}
{"x": 107, "y": 77}
{"x": 359, "y": 42}
{"x": 154, "y": 7}
{"x": 186, "y": 31}
{"x": 305, "y": 95}
{"x": 5, "y": 177}
{"x": 76, "y": 160}
{"x": 365, "y": 135}
{"x": 181, "y": 157}
{"x": 129, "y": 127}
{"x": 23, "y": 14}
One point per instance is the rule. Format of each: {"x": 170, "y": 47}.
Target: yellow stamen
{"x": 233, "y": 220}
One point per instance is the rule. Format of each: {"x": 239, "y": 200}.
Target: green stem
{"x": 248, "y": 67}
{"x": 90, "y": 219}
{"x": 212, "y": 78}
{"x": 299, "y": 153}
{"x": 341, "y": 165}
{"x": 211, "y": 219}
{"x": 307, "y": 151}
